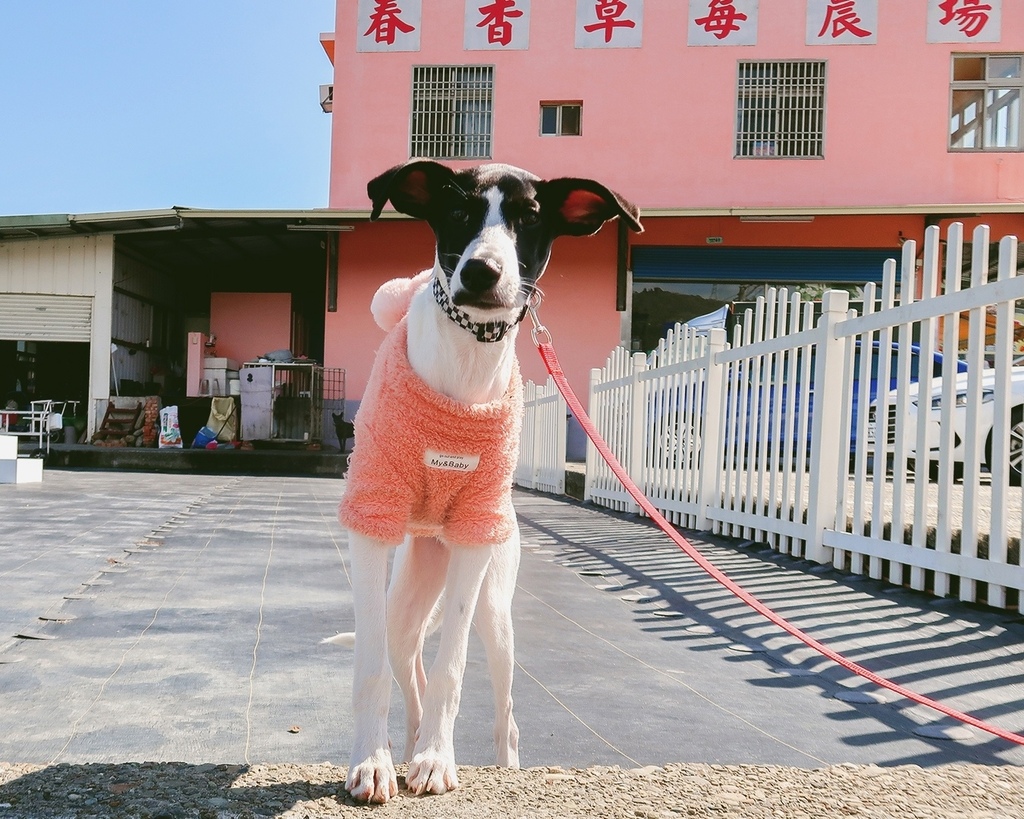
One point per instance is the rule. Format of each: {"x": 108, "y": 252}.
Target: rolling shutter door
{"x": 833, "y": 265}
{"x": 41, "y": 317}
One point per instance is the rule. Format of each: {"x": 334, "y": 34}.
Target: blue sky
{"x": 115, "y": 105}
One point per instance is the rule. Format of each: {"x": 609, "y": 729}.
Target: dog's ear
{"x": 410, "y": 187}
{"x": 578, "y": 207}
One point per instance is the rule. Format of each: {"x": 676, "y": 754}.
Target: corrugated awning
{"x": 176, "y": 218}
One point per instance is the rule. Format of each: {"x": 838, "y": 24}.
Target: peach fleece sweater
{"x": 426, "y": 464}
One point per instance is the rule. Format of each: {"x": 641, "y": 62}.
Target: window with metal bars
{"x": 451, "y": 111}
{"x": 985, "y": 111}
{"x": 780, "y": 109}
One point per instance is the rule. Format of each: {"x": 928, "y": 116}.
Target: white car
{"x": 958, "y": 417}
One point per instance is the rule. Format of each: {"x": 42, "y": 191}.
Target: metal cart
{"x": 285, "y": 402}
{"x": 281, "y": 402}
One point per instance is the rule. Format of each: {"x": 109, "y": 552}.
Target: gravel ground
{"x": 174, "y": 790}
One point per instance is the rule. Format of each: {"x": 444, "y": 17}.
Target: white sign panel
{"x": 497, "y": 24}
{"x": 722, "y": 23}
{"x": 842, "y": 22}
{"x": 609, "y": 23}
{"x": 964, "y": 21}
{"x": 389, "y": 25}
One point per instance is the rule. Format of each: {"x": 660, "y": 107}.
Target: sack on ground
{"x": 170, "y": 432}
{"x": 223, "y": 419}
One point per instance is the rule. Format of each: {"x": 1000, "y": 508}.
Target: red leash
{"x": 547, "y": 353}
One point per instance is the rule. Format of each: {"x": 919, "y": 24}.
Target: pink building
{"x": 792, "y": 143}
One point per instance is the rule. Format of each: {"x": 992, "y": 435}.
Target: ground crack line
{"x": 259, "y": 636}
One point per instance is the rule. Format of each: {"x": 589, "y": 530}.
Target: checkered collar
{"x": 484, "y": 331}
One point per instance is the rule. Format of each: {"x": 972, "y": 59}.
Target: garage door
{"x": 769, "y": 265}
{"x": 36, "y": 317}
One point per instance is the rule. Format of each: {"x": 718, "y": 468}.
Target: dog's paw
{"x": 373, "y": 779}
{"x": 432, "y": 772}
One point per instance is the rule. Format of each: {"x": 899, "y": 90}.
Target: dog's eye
{"x": 460, "y": 216}
{"x": 529, "y": 218}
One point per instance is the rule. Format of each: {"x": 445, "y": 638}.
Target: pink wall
{"x": 658, "y": 127}
{"x": 248, "y": 325}
{"x": 659, "y": 121}
{"x": 579, "y": 285}
{"x": 579, "y": 308}
{"x": 370, "y": 255}
{"x": 823, "y": 231}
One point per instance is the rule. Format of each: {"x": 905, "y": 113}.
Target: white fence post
{"x": 826, "y": 434}
{"x": 553, "y": 419}
{"x": 592, "y": 457}
{"x": 637, "y": 430}
{"x": 542, "y": 441}
{"x": 526, "y": 473}
{"x": 711, "y": 443}
{"x": 1001, "y": 422}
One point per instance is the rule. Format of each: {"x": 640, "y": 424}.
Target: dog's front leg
{"x": 416, "y": 583}
{"x": 494, "y": 625}
{"x": 432, "y": 768}
{"x": 371, "y": 772}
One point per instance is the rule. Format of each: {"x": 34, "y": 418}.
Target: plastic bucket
{"x": 204, "y": 437}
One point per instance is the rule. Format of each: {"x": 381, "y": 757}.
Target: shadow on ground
{"x": 166, "y": 790}
{"x": 966, "y": 656}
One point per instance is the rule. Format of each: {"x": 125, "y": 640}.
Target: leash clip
{"x": 541, "y": 334}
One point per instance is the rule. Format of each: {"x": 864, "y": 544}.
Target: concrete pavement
{"x": 184, "y": 614}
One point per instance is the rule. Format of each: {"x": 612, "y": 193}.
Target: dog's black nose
{"x": 479, "y": 275}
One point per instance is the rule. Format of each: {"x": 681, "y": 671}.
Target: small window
{"x": 985, "y": 111}
{"x": 561, "y": 118}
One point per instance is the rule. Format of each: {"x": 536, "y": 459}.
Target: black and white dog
{"x": 494, "y": 227}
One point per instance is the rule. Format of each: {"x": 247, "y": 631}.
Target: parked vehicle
{"x": 958, "y": 417}
{"x": 873, "y": 387}
{"x": 676, "y": 437}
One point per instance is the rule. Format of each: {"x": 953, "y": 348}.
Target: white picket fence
{"x": 542, "y": 442}
{"x": 752, "y": 438}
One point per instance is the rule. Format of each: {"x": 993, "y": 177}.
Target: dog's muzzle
{"x": 486, "y": 331}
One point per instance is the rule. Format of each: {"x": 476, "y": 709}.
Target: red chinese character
{"x": 722, "y": 20}
{"x": 499, "y": 28}
{"x": 971, "y": 17}
{"x": 386, "y": 22}
{"x": 842, "y": 15}
{"x": 608, "y": 14}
